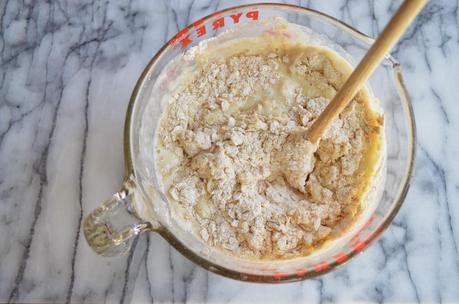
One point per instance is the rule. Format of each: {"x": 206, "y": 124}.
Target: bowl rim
{"x": 289, "y": 277}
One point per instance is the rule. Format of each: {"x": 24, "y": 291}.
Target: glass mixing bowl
{"x": 141, "y": 206}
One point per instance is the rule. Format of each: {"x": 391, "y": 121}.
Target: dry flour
{"x": 232, "y": 164}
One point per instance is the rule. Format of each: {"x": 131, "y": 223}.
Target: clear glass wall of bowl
{"x": 156, "y": 84}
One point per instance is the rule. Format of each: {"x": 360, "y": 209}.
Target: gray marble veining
{"x": 67, "y": 69}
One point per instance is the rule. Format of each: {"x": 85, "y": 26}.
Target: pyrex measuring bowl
{"x": 140, "y": 206}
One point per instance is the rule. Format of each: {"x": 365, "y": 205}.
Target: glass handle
{"x": 111, "y": 228}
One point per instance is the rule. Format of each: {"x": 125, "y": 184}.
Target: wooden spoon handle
{"x": 391, "y": 34}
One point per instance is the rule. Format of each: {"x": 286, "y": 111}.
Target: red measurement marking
{"x": 252, "y": 15}
{"x": 220, "y": 22}
{"x": 341, "y": 258}
{"x": 198, "y": 23}
{"x": 321, "y": 267}
{"x": 183, "y": 32}
{"x": 236, "y": 17}
{"x": 279, "y": 275}
{"x": 301, "y": 272}
{"x": 201, "y": 31}
{"x": 358, "y": 246}
{"x": 185, "y": 41}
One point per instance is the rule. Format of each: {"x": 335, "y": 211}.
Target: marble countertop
{"x": 67, "y": 69}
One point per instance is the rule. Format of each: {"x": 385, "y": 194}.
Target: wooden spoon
{"x": 391, "y": 34}
{"x": 300, "y": 162}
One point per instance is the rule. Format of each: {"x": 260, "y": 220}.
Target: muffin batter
{"x": 230, "y": 153}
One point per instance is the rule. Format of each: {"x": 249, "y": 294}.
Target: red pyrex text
{"x": 201, "y": 29}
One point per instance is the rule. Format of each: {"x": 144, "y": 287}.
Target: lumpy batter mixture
{"x": 230, "y": 150}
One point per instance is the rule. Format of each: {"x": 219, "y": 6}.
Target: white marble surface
{"x": 67, "y": 69}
